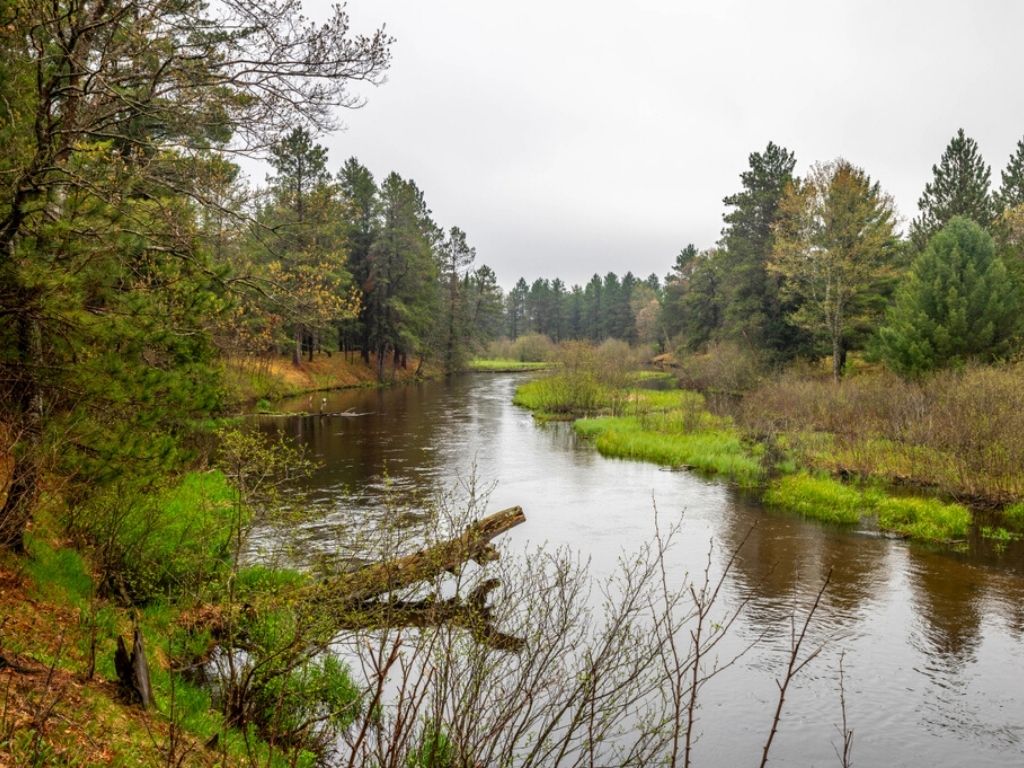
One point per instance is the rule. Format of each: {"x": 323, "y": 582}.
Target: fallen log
{"x": 366, "y": 598}
{"x": 373, "y": 581}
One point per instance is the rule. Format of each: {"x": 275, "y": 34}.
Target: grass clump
{"x": 923, "y": 519}
{"x": 1013, "y": 515}
{"x": 506, "y": 365}
{"x": 563, "y": 396}
{"x": 59, "y": 575}
{"x": 716, "y": 451}
{"x": 825, "y": 498}
{"x": 821, "y": 498}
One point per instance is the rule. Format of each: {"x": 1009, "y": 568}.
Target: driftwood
{"x": 133, "y": 670}
{"x": 364, "y": 598}
{"x": 378, "y": 579}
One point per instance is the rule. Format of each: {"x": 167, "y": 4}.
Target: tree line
{"x": 815, "y": 266}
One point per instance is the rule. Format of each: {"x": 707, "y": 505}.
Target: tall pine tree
{"x": 1011, "y": 193}
{"x": 960, "y": 186}
{"x": 753, "y": 312}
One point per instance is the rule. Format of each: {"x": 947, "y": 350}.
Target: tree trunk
{"x": 297, "y": 351}
{"x": 838, "y": 357}
{"x": 379, "y": 579}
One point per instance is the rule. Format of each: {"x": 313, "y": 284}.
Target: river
{"x": 932, "y": 641}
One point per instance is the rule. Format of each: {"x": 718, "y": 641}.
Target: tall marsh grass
{"x": 961, "y": 431}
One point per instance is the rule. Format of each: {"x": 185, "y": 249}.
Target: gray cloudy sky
{"x": 570, "y": 137}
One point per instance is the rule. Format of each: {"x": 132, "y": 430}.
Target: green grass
{"x": 563, "y": 396}
{"x": 923, "y": 519}
{"x": 1013, "y": 515}
{"x": 717, "y": 451}
{"x": 59, "y": 575}
{"x": 499, "y": 365}
{"x": 824, "y": 498}
{"x": 820, "y": 498}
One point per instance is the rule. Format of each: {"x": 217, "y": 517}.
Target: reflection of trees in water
{"x": 785, "y": 558}
{"x": 947, "y": 595}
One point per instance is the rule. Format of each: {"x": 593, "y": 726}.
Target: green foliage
{"x": 435, "y": 750}
{"x": 150, "y": 543}
{"x": 60, "y": 575}
{"x": 506, "y": 365}
{"x": 563, "y": 395}
{"x": 957, "y": 304}
{"x": 318, "y": 691}
{"x": 1013, "y": 515}
{"x": 1011, "y": 192}
{"x": 657, "y": 439}
{"x": 959, "y": 187}
{"x": 923, "y": 519}
{"x": 753, "y": 311}
{"x": 834, "y": 248}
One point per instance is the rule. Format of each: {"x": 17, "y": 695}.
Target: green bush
{"x": 149, "y": 544}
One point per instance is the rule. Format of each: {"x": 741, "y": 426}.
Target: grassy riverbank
{"x": 677, "y": 429}
{"x": 248, "y": 381}
{"x": 504, "y": 365}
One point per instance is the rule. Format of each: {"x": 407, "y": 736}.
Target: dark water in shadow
{"x": 933, "y": 642}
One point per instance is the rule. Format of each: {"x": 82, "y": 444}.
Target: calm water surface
{"x": 933, "y": 641}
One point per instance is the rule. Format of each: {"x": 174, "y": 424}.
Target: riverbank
{"x": 677, "y": 429}
{"x": 250, "y": 380}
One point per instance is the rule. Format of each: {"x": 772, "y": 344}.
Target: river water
{"x": 932, "y": 642}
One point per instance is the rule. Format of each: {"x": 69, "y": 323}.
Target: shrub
{"x": 724, "y": 367}
{"x": 532, "y": 348}
{"x": 150, "y": 543}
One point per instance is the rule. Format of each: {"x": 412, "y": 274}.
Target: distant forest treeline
{"x": 815, "y": 266}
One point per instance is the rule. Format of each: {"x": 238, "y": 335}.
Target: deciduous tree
{"x": 833, "y": 251}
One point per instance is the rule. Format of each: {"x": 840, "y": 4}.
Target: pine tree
{"x": 1011, "y": 193}
{"x": 960, "y": 187}
{"x": 752, "y": 312}
{"x": 956, "y": 304}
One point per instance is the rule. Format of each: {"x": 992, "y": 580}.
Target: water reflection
{"x": 933, "y": 643}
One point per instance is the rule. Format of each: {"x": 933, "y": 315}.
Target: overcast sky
{"x": 569, "y": 137}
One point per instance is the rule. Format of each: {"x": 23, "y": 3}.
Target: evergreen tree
{"x": 752, "y": 310}
{"x": 694, "y": 297}
{"x": 1011, "y": 192}
{"x": 487, "y": 305}
{"x": 960, "y": 186}
{"x": 518, "y": 322}
{"x": 361, "y": 225}
{"x": 307, "y": 241}
{"x": 456, "y": 258}
{"x": 114, "y": 113}
{"x": 402, "y": 297}
{"x": 955, "y": 305}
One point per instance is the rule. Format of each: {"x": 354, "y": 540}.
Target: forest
{"x": 146, "y": 284}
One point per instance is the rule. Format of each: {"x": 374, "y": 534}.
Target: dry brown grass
{"x": 961, "y": 432}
